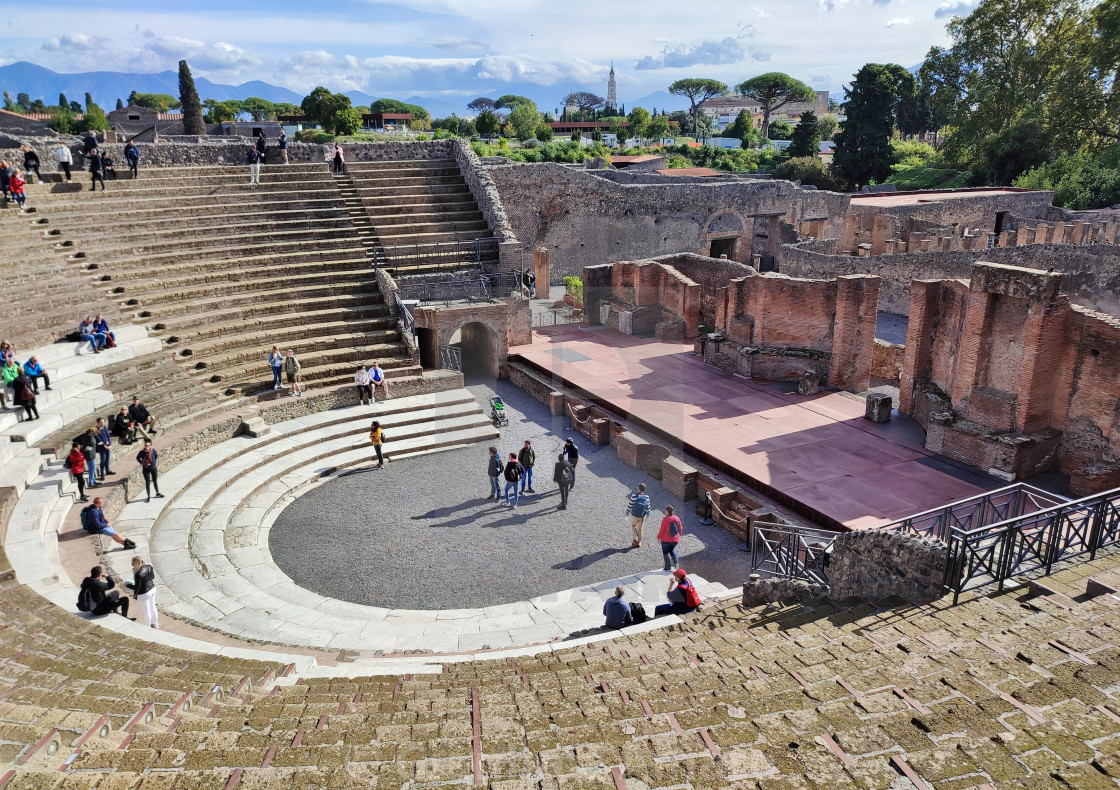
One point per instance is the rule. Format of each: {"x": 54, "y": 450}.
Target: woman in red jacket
{"x": 76, "y": 463}
{"x": 17, "y": 184}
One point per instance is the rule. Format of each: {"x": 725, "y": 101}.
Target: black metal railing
{"x": 451, "y": 358}
{"x": 470, "y": 286}
{"x": 791, "y": 552}
{"x": 405, "y": 319}
{"x": 1023, "y": 544}
{"x": 445, "y": 254}
{"x": 977, "y": 511}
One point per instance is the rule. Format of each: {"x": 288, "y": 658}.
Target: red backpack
{"x": 691, "y": 597}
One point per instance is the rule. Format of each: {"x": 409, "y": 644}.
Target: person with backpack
{"x": 513, "y": 474}
{"x": 617, "y": 611}
{"x": 88, "y": 442}
{"x": 570, "y": 453}
{"x": 494, "y": 470}
{"x": 144, "y": 590}
{"x": 637, "y": 508}
{"x": 254, "y": 160}
{"x": 527, "y": 458}
{"x": 377, "y": 438}
{"x": 132, "y": 156}
{"x": 682, "y": 595}
{"x": 93, "y": 520}
{"x": 562, "y": 476}
{"x": 24, "y": 395}
{"x": 76, "y": 463}
{"x": 291, "y": 370}
{"x": 98, "y": 597}
{"x": 104, "y": 446}
{"x": 670, "y": 536}
{"x": 148, "y": 459}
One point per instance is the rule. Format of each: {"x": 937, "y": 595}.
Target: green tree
{"x": 481, "y": 103}
{"x": 9, "y": 105}
{"x": 75, "y": 107}
{"x": 259, "y": 109}
{"x": 697, "y": 90}
{"x": 576, "y": 136}
{"x": 188, "y": 99}
{"x": 38, "y": 106}
{"x": 544, "y": 133}
{"x": 621, "y": 132}
{"x": 1079, "y": 181}
{"x": 658, "y": 127}
{"x": 62, "y": 100}
{"x": 863, "y": 149}
{"x": 773, "y": 91}
{"x": 487, "y": 123}
{"x": 639, "y": 122}
{"x": 393, "y": 105}
{"x": 806, "y": 138}
{"x": 312, "y": 104}
{"x": 1007, "y": 154}
{"x": 89, "y": 99}
{"x": 160, "y": 102}
{"x": 827, "y": 124}
{"x": 221, "y": 111}
{"x": 120, "y": 104}
{"x": 510, "y": 101}
{"x": 93, "y": 120}
{"x": 24, "y": 101}
{"x": 63, "y": 120}
{"x": 586, "y": 103}
{"x": 779, "y": 130}
{"x": 742, "y": 128}
{"x": 524, "y": 118}
{"x": 808, "y": 170}
{"x": 345, "y": 121}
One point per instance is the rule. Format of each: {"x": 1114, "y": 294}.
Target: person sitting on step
{"x": 95, "y": 521}
{"x": 377, "y": 379}
{"x": 125, "y": 428}
{"x": 97, "y": 340}
{"x": 98, "y": 597}
{"x": 682, "y": 595}
{"x": 35, "y": 372}
{"x": 361, "y": 381}
{"x": 139, "y": 414}
{"x": 102, "y": 326}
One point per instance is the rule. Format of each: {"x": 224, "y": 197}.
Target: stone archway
{"x": 483, "y": 352}
{"x": 484, "y": 332}
{"x": 726, "y": 233}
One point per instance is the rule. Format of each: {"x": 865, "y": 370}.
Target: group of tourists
{"x": 97, "y": 596}
{"x": 96, "y": 443}
{"x": 258, "y": 153}
{"x": 517, "y": 473}
{"x": 97, "y": 159}
{"x": 21, "y": 382}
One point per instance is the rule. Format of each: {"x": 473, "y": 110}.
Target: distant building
{"x": 612, "y": 90}
{"x": 386, "y": 120}
{"x": 725, "y": 109}
{"x": 134, "y": 120}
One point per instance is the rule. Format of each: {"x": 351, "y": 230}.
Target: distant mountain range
{"x": 108, "y": 86}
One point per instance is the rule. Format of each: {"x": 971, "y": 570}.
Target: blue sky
{"x": 464, "y": 48}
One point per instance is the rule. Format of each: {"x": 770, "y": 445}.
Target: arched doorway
{"x": 480, "y": 349}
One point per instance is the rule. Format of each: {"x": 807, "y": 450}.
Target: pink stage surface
{"x": 815, "y": 454}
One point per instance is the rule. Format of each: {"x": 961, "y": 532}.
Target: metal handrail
{"x": 1000, "y": 504}
{"x": 791, "y": 552}
{"x": 405, "y": 318}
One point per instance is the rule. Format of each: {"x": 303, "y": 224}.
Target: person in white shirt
{"x": 65, "y": 159}
{"x": 377, "y": 379}
{"x": 361, "y": 381}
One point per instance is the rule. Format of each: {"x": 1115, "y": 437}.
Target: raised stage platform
{"x": 814, "y": 454}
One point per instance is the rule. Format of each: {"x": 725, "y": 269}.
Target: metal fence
{"x": 977, "y": 511}
{"x": 469, "y": 286}
{"x": 447, "y": 254}
{"x": 451, "y": 358}
{"x": 405, "y": 319}
{"x": 997, "y": 552}
{"x": 791, "y": 552}
{"x": 553, "y": 316}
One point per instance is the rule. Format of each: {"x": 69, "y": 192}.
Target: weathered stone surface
{"x": 878, "y": 407}
{"x": 809, "y": 384}
{"x": 679, "y": 478}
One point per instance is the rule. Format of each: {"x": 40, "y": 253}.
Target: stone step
{"x": 137, "y": 269}
{"x": 245, "y": 275}
{"x": 329, "y": 282}
{"x": 63, "y": 215}
{"x": 257, "y": 339}
{"x": 21, "y": 468}
{"x": 64, "y": 390}
{"x": 471, "y": 214}
{"x": 64, "y": 352}
{"x": 372, "y": 318}
{"x": 308, "y": 294}
{"x": 250, "y": 225}
{"x": 279, "y": 314}
{"x": 52, "y": 418}
{"x": 438, "y": 237}
{"x": 87, "y": 360}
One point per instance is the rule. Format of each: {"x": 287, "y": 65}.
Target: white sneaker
{"x": 275, "y": 387}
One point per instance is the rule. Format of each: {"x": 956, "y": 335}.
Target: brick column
{"x": 919, "y": 339}
{"x": 542, "y": 269}
{"x": 977, "y": 320}
{"x": 853, "y": 332}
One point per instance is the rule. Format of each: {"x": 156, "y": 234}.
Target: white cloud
{"x": 898, "y": 20}
{"x": 725, "y": 51}
{"x": 951, "y": 9}
{"x": 76, "y": 42}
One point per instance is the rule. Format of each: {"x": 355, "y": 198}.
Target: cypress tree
{"x": 188, "y": 97}
{"x": 89, "y": 100}
{"x": 62, "y": 101}
{"x": 120, "y": 104}
{"x": 806, "y": 139}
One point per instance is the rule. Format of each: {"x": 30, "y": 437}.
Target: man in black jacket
{"x": 139, "y": 414}
{"x": 123, "y": 427}
{"x": 97, "y": 596}
{"x": 95, "y": 172}
{"x": 570, "y": 453}
{"x": 88, "y": 442}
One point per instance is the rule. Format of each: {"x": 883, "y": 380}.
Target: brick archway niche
{"x": 484, "y": 332}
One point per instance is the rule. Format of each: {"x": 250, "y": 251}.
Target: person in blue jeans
{"x": 527, "y": 458}
{"x": 104, "y": 445}
{"x": 682, "y": 595}
{"x": 96, "y": 339}
{"x": 513, "y": 473}
{"x": 88, "y": 442}
{"x": 276, "y": 362}
{"x": 494, "y": 470}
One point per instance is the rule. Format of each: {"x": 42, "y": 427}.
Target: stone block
{"x": 669, "y": 330}
{"x": 556, "y": 404}
{"x": 809, "y": 384}
{"x": 878, "y": 407}
{"x": 626, "y": 446}
{"x": 650, "y": 457}
{"x": 600, "y": 431}
{"x": 679, "y": 479}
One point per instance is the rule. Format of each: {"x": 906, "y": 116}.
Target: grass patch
{"x": 925, "y": 177}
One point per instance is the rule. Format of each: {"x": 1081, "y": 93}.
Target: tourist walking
{"x": 682, "y": 595}
{"x": 132, "y": 156}
{"x": 670, "y": 536}
{"x": 616, "y": 610}
{"x": 76, "y": 463}
{"x": 637, "y": 508}
{"x": 570, "y": 453}
{"x": 35, "y": 372}
{"x": 291, "y": 371}
{"x": 562, "y": 476}
{"x": 98, "y": 597}
{"x": 529, "y": 281}
{"x": 282, "y": 144}
{"x": 376, "y": 438}
{"x": 361, "y": 381}
{"x": 276, "y": 362}
{"x": 18, "y": 189}
{"x": 104, "y": 447}
{"x": 65, "y": 159}
{"x": 93, "y": 520}
{"x": 148, "y": 459}
{"x": 24, "y": 395}
{"x": 338, "y": 164}
{"x": 6, "y": 179}
{"x": 31, "y": 163}
{"x": 254, "y": 160}
{"x": 144, "y": 590}
{"x": 494, "y": 470}
{"x": 140, "y": 415}
{"x": 377, "y": 378}
{"x": 527, "y": 458}
{"x": 95, "y": 171}
{"x": 89, "y": 143}
{"x": 513, "y": 473}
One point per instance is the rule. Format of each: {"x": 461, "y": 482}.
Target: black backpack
{"x": 637, "y": 612}
{"x": 87, "y": 522}
{"x": 85, "y": 599}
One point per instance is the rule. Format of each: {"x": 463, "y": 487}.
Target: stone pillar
{"x": 1024, "y": 236}
{"x": 773, "y": 235}
{"x": 848, "y": 239}
{"x": 1077, "y": 233}
{"x": 919, "y": 338}
{"x": 1007, "y": 239}
{"x": 878, "y": 407}
{"x": 556, "y": 404}
{"x": 853, "y": 332}
{"x": 1110, "y": 232}
{"x": 679, "y": 478}
{"x": 542, "y": 270}
{"x": 882, "y": 227}
{"x": 1041, "y": 233}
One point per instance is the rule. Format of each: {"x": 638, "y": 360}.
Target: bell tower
{"x": 612, "y": 91}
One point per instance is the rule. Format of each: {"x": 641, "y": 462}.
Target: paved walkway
{"x": 421, "y": 534}
{"x": 814, "y": 453}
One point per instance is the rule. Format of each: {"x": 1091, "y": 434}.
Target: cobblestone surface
{"x": 421, "y": 534}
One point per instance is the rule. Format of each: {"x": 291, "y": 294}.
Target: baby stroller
{"x": 498, "y": 412}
